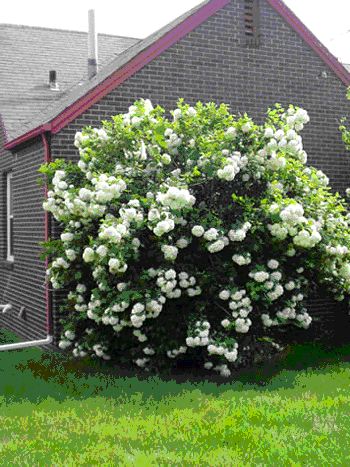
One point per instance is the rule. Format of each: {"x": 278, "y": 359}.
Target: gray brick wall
{"x": 23, "y": 283}
{"x": 213, "y": 63}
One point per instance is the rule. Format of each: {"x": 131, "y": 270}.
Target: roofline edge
{"x": 321, "y": 50}
{"x": 27, "y": 136}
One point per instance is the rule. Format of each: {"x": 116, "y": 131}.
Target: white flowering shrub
{"x": 183, "y": 237}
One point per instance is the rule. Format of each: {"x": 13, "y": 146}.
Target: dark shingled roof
{"x": 26, "y": 56}
{"x": 79, "y": 90}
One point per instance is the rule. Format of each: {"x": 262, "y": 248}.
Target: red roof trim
{"x": 311, "y": 40}
{"x": 31, "y": 134}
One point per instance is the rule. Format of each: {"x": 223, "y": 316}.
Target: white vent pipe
{"x": 92, "y": 46}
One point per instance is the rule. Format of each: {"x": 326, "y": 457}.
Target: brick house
{"x": 247, "y": 53}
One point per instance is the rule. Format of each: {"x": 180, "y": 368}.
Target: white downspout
{"x": 22, "y": 345}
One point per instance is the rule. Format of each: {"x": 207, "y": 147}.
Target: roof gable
{"x": 133, "y": 59}
{"x": 311, "y": 40}
{"x": 26, "y": 56}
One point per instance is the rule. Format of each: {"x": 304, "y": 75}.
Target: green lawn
{"x": 53, "y": 413}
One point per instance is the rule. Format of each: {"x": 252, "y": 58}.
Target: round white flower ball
{"x": 225, "y": 323}
{"x": 197, "y": 231}
{"x": 224, "y": 295}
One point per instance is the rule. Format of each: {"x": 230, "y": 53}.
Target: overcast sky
{"x": 328, "y": 19}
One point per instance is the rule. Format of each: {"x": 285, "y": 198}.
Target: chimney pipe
{"x": 92, "y": 46}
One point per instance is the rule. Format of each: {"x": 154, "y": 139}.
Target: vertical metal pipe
{"x": 92, "y": 46}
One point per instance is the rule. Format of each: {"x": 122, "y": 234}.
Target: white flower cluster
{"x": 98, "y": 134}
{"x": 160, "y": 220}
{"x": 138, "y": 315}
{"x": 154, "y": 307}
{"x": 305, "y": 232}
{"x": 267, "y": 321}
{"x": 223, "y": 369}
{"x": 78, "y": 297}
{"x": 68, "y": 341}
{"x": 163, "y": 227}
{"x": 276, "y": 162}
{"x": 218, "y": 245}
{"x": 200, "y": 335}
{"x": 131, "y": 212}
{"x": 107, "y": 188}
{"x": 142, "y": 362}
{"x": 167, "y": 283}
{"x": 176, "y": 352}
{"x": 113, "y": 232}
{"x": 271, "y": 280}
{"x": 79, "y": 351}
{"x": 139, "y": 335}
{"x": 303, "y": 319}
{"x": 297, "y": 118}
{"x": 135, "y": 116}
{"x": 116, "y": 266}
{"x": 230, "y": 354}
{"x": 232, "y": 167}
{"x": 242, "y": 260}
{"x": 231, "y": 132}
{"x": 246, "y": 127}
{"x": 218, "y": 242}
{"x": 293, "y": 214}
{"x": 90, "y": 202}
{"x": 170, "y": 252}
{"x": 60, "y": 263}
{"x": 211, "y": 234}
{"x": 88, "y": 255}
{"x": 260, "y": 276}
{"x": 100, "y": 351}
{"x": 172, "y": 140}
{"x": 337, "y": 250}
{"x": 280, "y": 140}
{"x": 110, "y": 316}
{"x": 79, "y": 139}
{"x": 188, "y": 283}
{"x": 289, "y": 313}
{"x": 197, "y": 231}
{"x": 239, "y": 234}
{"x": 240, "y": 306}
{"x": 176, "y": 198}
{"x": 93, "y": 309}
{"x": 182, "y": 243}
{"x": 307, "y": 239}
{"x": 171, "y": 284}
